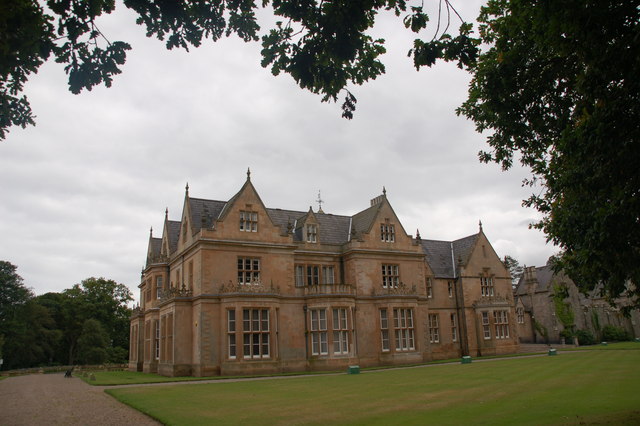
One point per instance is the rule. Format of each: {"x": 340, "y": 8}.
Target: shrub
{"x": 567, "y": 334}
{"x": 585, "y": 337}
{"x": 616, "y": 334}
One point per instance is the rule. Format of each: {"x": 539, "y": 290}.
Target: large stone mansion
{"x": 237, "y": 288}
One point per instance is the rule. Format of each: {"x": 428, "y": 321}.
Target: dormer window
{"x": 312, "y": 233}
{"x": 248, "y": 221}
{"x": 387, "y": 232}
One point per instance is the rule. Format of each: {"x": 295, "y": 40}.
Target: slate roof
{"x": 174, "y": 233}
{"x": 283, "y": 218}
{"x": 441, "y": 255}
{"x": 438, "y": 254}
{"x": 463, "y": 247}
{"x": 362, "y": 221}
{"x": 207, "y": 209}
{"x": 543, "y": 275}
{"x": 155, "y": 245}
{"x": 333, "y": 229}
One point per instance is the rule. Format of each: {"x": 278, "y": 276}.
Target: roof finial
{"x": 248, "y": 173}
{"x": 151, "y": 232}
{"x": 186, "y": 189}
{"x": 166, "y": 213}
{"x": 480, "y": 225}
{"x": 384, "y": 191}
{"x": 319, "y": 201}
{"x": 418, "y": 235}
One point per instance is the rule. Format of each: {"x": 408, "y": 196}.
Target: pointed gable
{"x": 204, "y": 212}
{"x": 445, "y": 257}
{"x": 380, "y": 212}
{"x": 439, "y": 257}
{"x": 463, "y": 248}
{"x": 247, "y": 193}
{"x": 172, "y": 233}
{"x": 154, "y": 249}
{"x": 362, "y": 222}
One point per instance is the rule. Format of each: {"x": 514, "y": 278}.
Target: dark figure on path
{"x": 68, "y": 373}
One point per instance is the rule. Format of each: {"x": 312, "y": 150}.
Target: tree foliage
{"x": 27, "y": 330}
{"x": 13, "y": 296}
{"x": 563, "y": 309}
{"x": 99, "y": 299}
{"x": 88, "y": 322}
{"x": 557, "y": 88}
{"x": 93, "y": 343}
{"x": 323, "y": 45}
{"x": 515, "y": 269}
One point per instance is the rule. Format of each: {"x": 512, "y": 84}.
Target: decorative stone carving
{"x": 255, "y": 287}
{"x": 173, "y": 292}
{"x": 401, "y": 290}
{"x": 497, "y": 300}
{"x": 158, "y": 258}
{"x": 332, "y": 289}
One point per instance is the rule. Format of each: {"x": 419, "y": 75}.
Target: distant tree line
{"x": 85, "y": 324}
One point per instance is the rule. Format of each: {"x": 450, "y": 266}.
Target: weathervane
{"x": 319, "y": 201}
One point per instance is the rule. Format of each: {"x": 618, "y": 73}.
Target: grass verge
{"x": 594, "y": 387}
{"x": 114, "y": 378}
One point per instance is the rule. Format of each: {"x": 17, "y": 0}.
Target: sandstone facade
{"x": 236, "y": 288}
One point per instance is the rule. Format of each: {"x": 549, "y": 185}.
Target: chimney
{"x": 377, "y": 200}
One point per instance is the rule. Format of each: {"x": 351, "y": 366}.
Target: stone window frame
{"x": 387, "y": 232}
{"x": 434, "y": 328}
{"x": 501, "y": 323}
{"x": 486, "y": 326}
{"x": 311, "y": 231}
{"x": 487, "y": 285}
{"x": 306, "y": 274}
{"x": 248, "y": 220}
{"x": 341, "y": 330}
{"x": 318, "y": 333}
{"x": 390, "y": 275}
{"x": 256, "y": 333}
{"x": 384, "y": 330}
{"x": 232, "y": 340}
{"x": 404, "y": 330}
{"x": 454, "y": 327}
{"x": 250, "y": 275}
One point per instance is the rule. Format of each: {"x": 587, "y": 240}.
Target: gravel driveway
{"x": 50, "y": 399}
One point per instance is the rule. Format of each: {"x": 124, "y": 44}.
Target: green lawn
{"x": 570, "y": 388}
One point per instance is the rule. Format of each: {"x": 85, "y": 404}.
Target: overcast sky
{"x": 81, "y": 189}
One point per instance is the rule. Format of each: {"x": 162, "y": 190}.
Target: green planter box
{"x": 603, "y": 343}
{"x": 353, "y": 369}
{"x": 553, "y": 352}
{"x": 465, "y": 360}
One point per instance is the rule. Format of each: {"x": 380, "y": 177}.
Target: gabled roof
{"x": 155, "y": 246}
{"x": 154, "y": 249}
{"x": 542, "y": 275}
{"x": 463, "y": 248}
{"x": 173, "y": 228}
{"x": 441, "y": 255}
{"x": 438, "y": 255}
{"x": 333, "y": 229}
{"x": 204, "y": 212}
{"x": 363, "y": 220}
{"x": 284, "y": 218}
